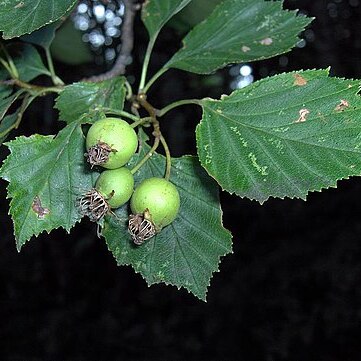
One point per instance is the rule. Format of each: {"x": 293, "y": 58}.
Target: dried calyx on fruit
{"x": 110, "y": 143}
{"x": 98, "y": 154}
{"x": 141, "y": 227}
{"x": 93, "y": 205}
{"x": 155, "y": 204}
{"x": 113, "y": 188}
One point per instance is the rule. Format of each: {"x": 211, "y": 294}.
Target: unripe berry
{"x": 158, "y": 200}
{"x": 110, "y": 142}
{"x": 116, "y": 186}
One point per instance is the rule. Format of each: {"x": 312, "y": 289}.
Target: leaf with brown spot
{"x": 39, "y": 209}
{"x": 55, "y": 174}
{"x": 239, "y": 31}
{"x": 274, "y": 139}
{"x": 266, "y": 41}
{"x": 342, "y": 106}
{"x": 299, "y": 80}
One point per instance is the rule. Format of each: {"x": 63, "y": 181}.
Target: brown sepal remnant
{"x": 299, "y": 80}
{"x": 98, "y": 154}
{"x": 140, "y": 228}
{"x": 39, "y": 209}
{"x": 93, "y": 205}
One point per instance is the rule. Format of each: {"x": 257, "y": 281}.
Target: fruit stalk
{"x": 142, "y": 100}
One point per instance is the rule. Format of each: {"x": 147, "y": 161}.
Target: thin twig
{"x": 147, "y": 156}
{"x": 141, "y": 122}
{"x": 127, "y": 42}
{"x": 56, "y": 80}
{"x": 40, "y": 90}
{"x": 121, "y": 113}
{"x": 168, "y": 158}
{"x": 165, "y": 110}
{"x": 142, "y": 100}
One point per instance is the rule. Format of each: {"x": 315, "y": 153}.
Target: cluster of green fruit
{"x": 110, "y": 143}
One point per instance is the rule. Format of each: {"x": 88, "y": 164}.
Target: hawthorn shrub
{"x": 283, "y": 136}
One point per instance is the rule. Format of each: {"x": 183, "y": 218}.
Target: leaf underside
{"x": 29, "y": 65}
{"x": 42, "y": 37}
{"x": 239, "y": 31}
{"x": 19, "y": 17}
{"x": 283, "y": 136}
{"x": 188, "y": 251}
{"x": 8, "y": 123}
{"x": 27, "y": 61}
{"x": 7, "y": 98}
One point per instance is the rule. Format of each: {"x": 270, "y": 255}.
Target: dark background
{"x": 290, "y": 291}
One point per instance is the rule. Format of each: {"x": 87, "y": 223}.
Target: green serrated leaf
{"x": 80, "y": 98}
{"x": 156, "y": 13}
{"x": 42, "y": 37}
{"x": 45, "y": 172}
{"x": 187, "y": 252}
{"x": 283, "y": 136}
{"x": 52, "y": 171}
{"x": 27, "y": 61}
{"x": 19, "y": 17}
{"x": 239, "y": 31}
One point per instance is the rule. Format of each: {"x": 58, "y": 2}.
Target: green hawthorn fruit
{"x": 116, "y": 186}
{"x": 158, "y": 200}
{"x": 110, "y": 142}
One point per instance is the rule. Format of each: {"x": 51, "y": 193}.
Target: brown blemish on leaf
{"x": 266, "y": 41}
{"x": 245, "y": 48}
{"x": 299, "y": 80}
{"x": 20, "y": 5}
{"x": 303, "y": 114}
{"x": 342, "y": 106}
{"x": 39, "y": 209}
